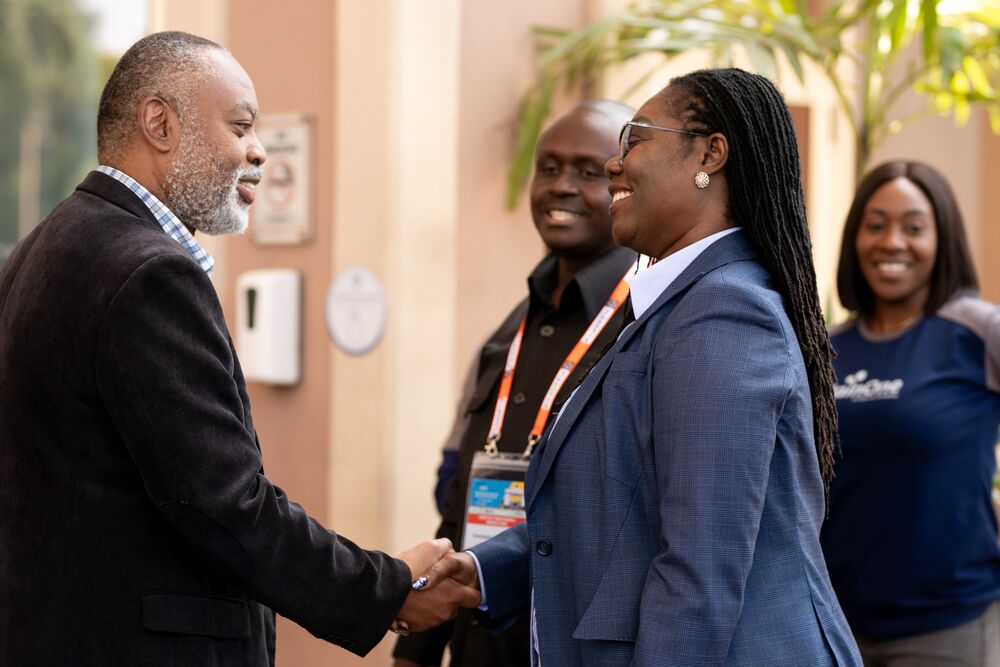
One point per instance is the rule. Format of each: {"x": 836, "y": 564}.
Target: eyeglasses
{"x": 623, "y": 146}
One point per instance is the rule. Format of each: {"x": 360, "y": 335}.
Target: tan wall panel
{"x": 358, "y": 424}
{"x": 291, "y": 421}
{"x": 288, "y": 49}
{"x": 497, "y": 248}
{"x": 988, "y": 239}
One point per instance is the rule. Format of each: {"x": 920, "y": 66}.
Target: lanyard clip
{"x": 491, "y": 446}
{"x": 530, "y": 449}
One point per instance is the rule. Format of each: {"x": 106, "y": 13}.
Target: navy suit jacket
{"x": 674, "y": 509}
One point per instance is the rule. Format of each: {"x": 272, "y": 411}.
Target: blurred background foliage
{"x": 51, "y": 76}
{"x": 871, "y": 52}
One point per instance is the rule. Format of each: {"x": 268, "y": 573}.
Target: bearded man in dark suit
{"x": 136, "y": 524}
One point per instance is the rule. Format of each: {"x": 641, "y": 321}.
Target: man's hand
{"x": 421, "y": 557}
{"x": 457, "y": 566}
{"x": 440, "y": 599}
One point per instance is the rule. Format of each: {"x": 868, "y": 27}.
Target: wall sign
{"x": 282, "y": 209}
{"x": 356, "y": 310}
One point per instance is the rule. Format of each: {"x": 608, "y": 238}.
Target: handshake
{"x": 444, "y": 581}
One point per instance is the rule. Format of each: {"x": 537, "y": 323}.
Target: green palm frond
{"x": 958, "y": 63}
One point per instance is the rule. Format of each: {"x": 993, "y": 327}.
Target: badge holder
{"x": 496, "y": 499}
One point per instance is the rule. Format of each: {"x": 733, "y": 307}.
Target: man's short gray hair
{"x": 164, "y": 64}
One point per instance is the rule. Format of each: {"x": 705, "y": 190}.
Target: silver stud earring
{"x": 701, "y": 180}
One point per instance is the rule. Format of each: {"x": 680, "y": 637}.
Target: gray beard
{"x": 201, "y": 190}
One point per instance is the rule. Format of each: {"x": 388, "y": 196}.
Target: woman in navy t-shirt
{"x": 911, "y": 539}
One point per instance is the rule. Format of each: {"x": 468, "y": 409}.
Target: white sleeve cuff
{"x": 482, "y": 584}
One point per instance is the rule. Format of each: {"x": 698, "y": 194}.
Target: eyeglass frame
{"x": 626, "y": 132}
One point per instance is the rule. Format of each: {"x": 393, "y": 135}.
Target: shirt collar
{"x": 170, "y": 223}
{"x": 646, "y": 286}
{"x": 595, "y": 282}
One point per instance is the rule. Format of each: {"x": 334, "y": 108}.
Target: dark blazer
{"x": 136, "y": 524}
{"x": 674, "y": 509}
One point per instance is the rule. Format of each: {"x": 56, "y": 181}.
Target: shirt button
{"x": 546, "y": 331}
{"x": 519, "y": 398}
{"x": 544, "y": 547}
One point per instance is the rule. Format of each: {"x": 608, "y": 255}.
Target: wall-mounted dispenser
{"x": 269, "y": 325}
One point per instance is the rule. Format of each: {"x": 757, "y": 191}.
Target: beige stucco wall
{"x": 987, "y": 245}
{"x": 498, "y": 248}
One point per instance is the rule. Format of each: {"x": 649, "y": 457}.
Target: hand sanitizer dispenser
{"x": 268, "y": 332}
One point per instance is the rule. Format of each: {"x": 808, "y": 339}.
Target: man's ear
{"x": 716, "y": 153}
{"x": 159, "y": 124}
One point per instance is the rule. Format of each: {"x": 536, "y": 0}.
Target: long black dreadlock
{"x": 765, "y": 198}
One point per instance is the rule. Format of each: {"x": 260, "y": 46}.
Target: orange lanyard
{"x": 565, "y": 370}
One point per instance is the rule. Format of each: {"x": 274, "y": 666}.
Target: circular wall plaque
{"x": 356, "y": 310}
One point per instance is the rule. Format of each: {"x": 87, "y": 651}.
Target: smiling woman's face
{"x": 569, "y": 191}
{"x": 897, "y": 244}
{"x": 655, "y": 200}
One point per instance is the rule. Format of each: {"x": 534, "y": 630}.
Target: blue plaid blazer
{"x": 674, "y": 509}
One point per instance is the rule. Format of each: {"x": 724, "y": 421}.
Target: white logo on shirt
{"x": 858, "y": 387}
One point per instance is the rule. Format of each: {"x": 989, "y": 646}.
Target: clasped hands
{"x": 452, "y": 582}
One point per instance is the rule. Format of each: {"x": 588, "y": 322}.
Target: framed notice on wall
{"x": 282, "y": 209}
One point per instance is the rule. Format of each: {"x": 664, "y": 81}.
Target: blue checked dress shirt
{"x": 171, "y": 223}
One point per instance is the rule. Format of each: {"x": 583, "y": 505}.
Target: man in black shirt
{"x": 566, "y": 292}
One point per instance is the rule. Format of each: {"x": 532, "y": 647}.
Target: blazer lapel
{"x": 115, "y": 192}
{"x": 731, "y": 248}
{"x": 728, "y": 249}
{"x": 551, "y": 442}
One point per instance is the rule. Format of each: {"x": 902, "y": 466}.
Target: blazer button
{"x": 546, "y": 331}
{"x": 544, "y": 547}
{"x": 519, "y": 398}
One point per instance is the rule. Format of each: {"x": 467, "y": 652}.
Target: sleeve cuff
{"x": 482, "y": 584}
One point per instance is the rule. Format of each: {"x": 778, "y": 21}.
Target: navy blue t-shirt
{"x": 911, "y": 539}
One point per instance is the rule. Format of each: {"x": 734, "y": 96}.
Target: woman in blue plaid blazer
{"x": 674, "y": 506}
